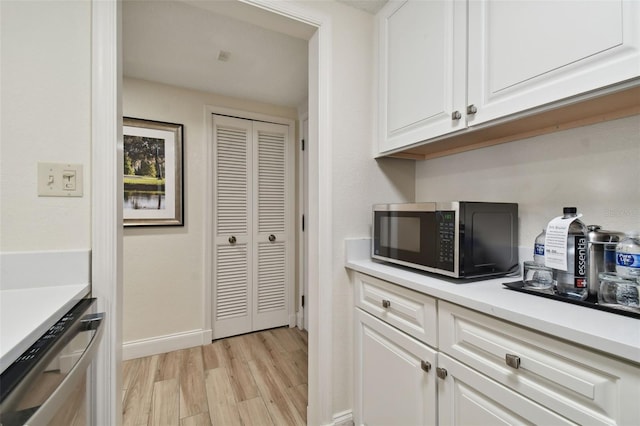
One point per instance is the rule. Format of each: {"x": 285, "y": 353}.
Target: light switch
{"x": 59, "y": 180}
{"x": 69, "y": 180}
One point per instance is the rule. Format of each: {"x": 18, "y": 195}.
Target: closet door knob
{"x": 455, "y": 115}
{"x": 272, "y": 238}
{"x": 471, "y": 109}
{"x": 232, "y": 240}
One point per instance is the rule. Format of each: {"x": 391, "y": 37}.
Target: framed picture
{"x": 153, "y": 192}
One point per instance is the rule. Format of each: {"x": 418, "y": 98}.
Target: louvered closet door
{"x": 232, "y": 270}
{"x": 253, "y": 217}
{"x": 273, "y": 205}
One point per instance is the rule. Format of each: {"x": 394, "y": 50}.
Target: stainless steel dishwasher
{"x": 51, "y": 383}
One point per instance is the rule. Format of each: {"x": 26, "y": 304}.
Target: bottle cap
{"x": 569, "y": 210}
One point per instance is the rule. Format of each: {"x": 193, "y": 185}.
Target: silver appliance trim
{"x": 29, "y": 367}
{"x": 423, "y": 207}
{"x": 48, "y": 409}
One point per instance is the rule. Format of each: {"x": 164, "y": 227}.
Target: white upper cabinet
{"x": 422, "y": 65}
{"x": 524, "y": 54}
{"x": 483, "y": 60}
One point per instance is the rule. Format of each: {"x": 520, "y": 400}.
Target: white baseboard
{"x": 344, "y": 418}
{"x": 300, "y": 319}
{"x": 161, "y": 344}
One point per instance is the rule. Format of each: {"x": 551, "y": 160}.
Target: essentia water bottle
{"x": 572, "y": 283}
{"x": 628, "y": 256}
{"x": 538, "y": 249}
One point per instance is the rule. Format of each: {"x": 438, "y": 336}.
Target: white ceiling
{"x": 178, "y": 42}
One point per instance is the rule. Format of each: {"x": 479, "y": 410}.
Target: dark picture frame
{"x": 153, "y": 175}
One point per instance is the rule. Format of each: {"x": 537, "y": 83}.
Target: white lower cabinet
{"x": 481, "y": 371}
{"x": 582, "y": 385}
{"x": 395, "y": 376}
{"x": 466, "y": 397}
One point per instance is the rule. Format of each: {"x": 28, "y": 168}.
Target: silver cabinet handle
{"x": 441, "y": 372}
{"x": 425, "y": 365}
{"x": 272, "y": 238}
{"x": 232, "y": 240}
{"x": 455, "y": 115}
{"x": 471, "y": 109}
{"x": 386, "y": 303}
{"x": 512, "y": 361}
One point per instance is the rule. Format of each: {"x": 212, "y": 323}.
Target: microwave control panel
{"x": 446, "y": 222}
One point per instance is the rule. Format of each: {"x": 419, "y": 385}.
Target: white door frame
{"x": 106, "y": 204}
{"x": 320, "y": 231}
{"x": 302, "y": 177}
{"x": 106, "y": 191}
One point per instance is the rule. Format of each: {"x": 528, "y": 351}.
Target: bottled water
{"x": 628, "y": 256}
{"x": 538, "y": 249}
{"x": 572, "y": 282}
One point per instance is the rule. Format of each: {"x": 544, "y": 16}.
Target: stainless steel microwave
{"x": 459, "y": 239}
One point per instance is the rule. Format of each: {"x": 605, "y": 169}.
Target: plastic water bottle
{"x": 628, "y": 256}
{"x": 538, "y": 249}
{"x": 572, "y": 283}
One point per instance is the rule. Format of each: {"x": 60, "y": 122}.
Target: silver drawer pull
{"x": 425, "y": 365}
{"x": 441, "y": 372}
{"x": 386, "y": 303}
{"x": 512, "y": 361}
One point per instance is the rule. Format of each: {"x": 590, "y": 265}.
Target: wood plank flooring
{"x": 254, "y": 379}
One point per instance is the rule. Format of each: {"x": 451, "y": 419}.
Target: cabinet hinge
{"x": 302, "y": 223}
{"x": 303, "y": 301}
{"x": 302, "y": 144}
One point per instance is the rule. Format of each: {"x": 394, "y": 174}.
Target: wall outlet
{"x": 59, "y": 180}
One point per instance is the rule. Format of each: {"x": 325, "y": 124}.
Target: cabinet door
{"x": 525, "y": 54}
{"x": 272, "y": 224}
{"x": 466, "y": 397}
{"x": 392, "y": 387}
{"x": 422, "y": 70}
{"x": 232, "y": 295}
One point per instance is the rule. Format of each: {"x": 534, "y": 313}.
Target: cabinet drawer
{"x": 408, "y": 310}
{"x": 586, "y": 387}
{"x": 466, "y": 397}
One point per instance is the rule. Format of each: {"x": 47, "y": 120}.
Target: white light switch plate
{"x": 59, "y": 180}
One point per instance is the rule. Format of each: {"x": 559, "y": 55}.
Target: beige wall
{"x": 45, "y": 117}
{"x": 164, "y": 266}
{"x": 594, "y": 168}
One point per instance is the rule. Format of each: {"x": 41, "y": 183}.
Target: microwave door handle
{"x": 49, "y": 408}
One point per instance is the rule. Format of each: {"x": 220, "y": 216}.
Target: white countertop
{"x": 26, "y": 314}
{"x": 611, "y": 333}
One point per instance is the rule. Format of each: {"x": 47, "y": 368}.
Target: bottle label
{"x": 539, "y": 250}
{"x": 628, "y": 260}
{"x": 555, "y": 242}
{"x": 580, "y": 262}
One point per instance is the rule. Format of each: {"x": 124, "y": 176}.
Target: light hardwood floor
{"x": 253, "y": 379}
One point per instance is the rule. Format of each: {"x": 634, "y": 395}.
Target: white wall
{"x": 164, "y": 266}
{"x": 45, "y": 117}
{"x": 358, "y": 180}
{"x": 594, "y": 168}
